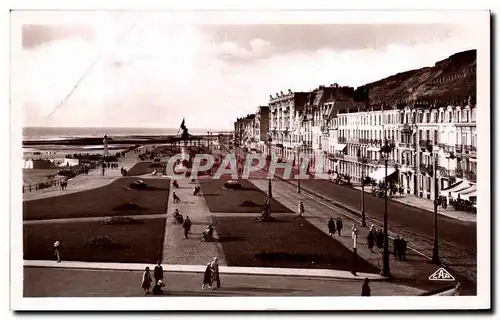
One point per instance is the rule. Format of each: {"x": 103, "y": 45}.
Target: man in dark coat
{"x": 371, "y": 239}
{"x": 380, "y": 239}
{"x": 331, "y": 227}
{"x": 187, "y": 226}
{"x": 340, "y": 226}
{"x": 158, "y": 272}
{"x": 404, "y": 246}
{"x": 396, "y": 247}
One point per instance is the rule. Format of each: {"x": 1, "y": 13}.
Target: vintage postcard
{"x": 267, "y": 160}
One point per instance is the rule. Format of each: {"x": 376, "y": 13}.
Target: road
{"x": 56, "y": 282}
{"x": 458, "y": 239}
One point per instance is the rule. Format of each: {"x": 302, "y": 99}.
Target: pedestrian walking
{"x": 207, "y": 277}
{"x": 214, "y": 269}
{"x": 371, "y": 238}
{"x": 57, "y": 250}
{"x": 340, "y": 226}
{"x": 158, "y": 272}
{"x": 365, "y": 290}
{"x": 380, "y": 239}
{"x": 187, "y": 226}
{"x": 396, "y": 247}
{"x": 355, "y": 233}
{"x": 331, "y": 227}
{"x": 146, "y": 281}
{"x": 404, "y": 246}
{"x": 176, "y": 199}
{"x": 301, "y": 208}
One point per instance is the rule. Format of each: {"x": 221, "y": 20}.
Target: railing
{"x": 424, "y": 143}
{"x": 426, "y": 168}
{"x": 342, "y": 140}
{"x": 458, "y": 148}
{"x": 42, "y": 185}
{"x": 443, "y": 172}
{"x": 364, "y": 141}
{"x": 339, "y": 156}
{"x": 406, "y": 128}
{"x": 473, "y": 149}
{"x": 459, "y": 173}
{"x": 352, "y": 140}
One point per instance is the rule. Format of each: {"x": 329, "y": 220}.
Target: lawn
{"x": 141, "y": 243}
{"x": 290, "y": 242}
{"x": 220, "y": 199}
{"x": 145, "y": 167}
{"x": 102, "y": 201}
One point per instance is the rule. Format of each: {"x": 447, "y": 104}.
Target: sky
{"x": 139, "y": 71}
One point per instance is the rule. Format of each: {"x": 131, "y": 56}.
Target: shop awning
{"x": 373, "y": 149}
{"x": 464, "y": 191}
{"x": 340, "y": 147}
{"x": 468, "y": 196}
{"x": 458, "y": 186}
{"x": 379, "y": 174}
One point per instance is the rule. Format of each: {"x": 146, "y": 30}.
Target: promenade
{"x": 60, "y": 282}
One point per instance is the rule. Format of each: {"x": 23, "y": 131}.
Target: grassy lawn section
{"x": 220, "y": 199}
{"x": 136, "y": 243}
{"x": 101, "y": 201}
{"x": 144, "y": 167}
{"x": 288, "y": 243}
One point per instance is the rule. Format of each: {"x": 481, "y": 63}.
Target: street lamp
{"x": 269, "y": 184}
{"x": 435, "y": 249}
{"x": 363, "y": 162}
{"x": 385, "y": 153}
{"x": 298, "y": 167}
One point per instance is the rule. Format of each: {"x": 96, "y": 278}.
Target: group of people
{"x": 111, "y": 165}
{"x": 335, "y": 227}
{"x": 211, "y": 278}
{"x": 400, "y": 246}
{"x": 375, "y": 237}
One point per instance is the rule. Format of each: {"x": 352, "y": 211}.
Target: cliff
{"x": 450, "y": 81}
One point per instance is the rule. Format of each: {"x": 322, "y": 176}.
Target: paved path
{"x": 176, "y": 248}
{"x": 58, "y": 282}
{"x": 321, "y": 273}
{"x": 85, "y": 182}
{"x": 415, "y": 270}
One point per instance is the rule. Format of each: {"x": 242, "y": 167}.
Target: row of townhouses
{"x": 331, "y": 122}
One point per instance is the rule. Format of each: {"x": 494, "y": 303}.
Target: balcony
{"x": 424, "y": 143}
{"x": 342, "y": 140}
{"x": 459, "y": 173}
{"x": 339, "y": 156}
{"x": 364, "y": 141}
{"x": 324, "y": 129}
{"x": 353, "y": 140}
{"x": 406, "y": 128}
{"x": 426, "y": 168}
{"x": 458, "y": 148}
{"x": 470, "y": 175}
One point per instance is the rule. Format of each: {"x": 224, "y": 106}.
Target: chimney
{"x": 289, "y": 91}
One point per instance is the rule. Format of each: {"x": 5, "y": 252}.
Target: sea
{"x": 59, "y": 133}
{"x": 58, "y": 152}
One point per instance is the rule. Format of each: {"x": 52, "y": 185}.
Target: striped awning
{"x": 340, "y": 147}
{"x": 458, "y": 186}
{"x": 379, "y": 174}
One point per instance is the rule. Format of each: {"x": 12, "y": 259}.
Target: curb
{"x": 199, "y": 269}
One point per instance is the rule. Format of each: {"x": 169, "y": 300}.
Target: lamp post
{"x": 363, "y": 219}
{"x": 269, "y": 184}
{"x": 298, "y": 166}
{"x": 385, "y": 152}
{"x": 435, "y": 249}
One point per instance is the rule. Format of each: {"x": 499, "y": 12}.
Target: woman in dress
{"x": 146, "y": 281}
{"x": 207, "y": 278}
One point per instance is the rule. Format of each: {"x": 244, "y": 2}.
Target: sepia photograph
{"x": 165, "y": 156}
